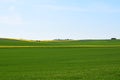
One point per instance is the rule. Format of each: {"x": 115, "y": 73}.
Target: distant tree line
{"x": 63, "y": 39}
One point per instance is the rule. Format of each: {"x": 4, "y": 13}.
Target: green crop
{"x": 60, "y": 60}
{"x": 60, "y": 64}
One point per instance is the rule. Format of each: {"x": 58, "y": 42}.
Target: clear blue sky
{"x": 52, "y": 19}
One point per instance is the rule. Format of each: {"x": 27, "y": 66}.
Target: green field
{"x": 60, "y": 63}
{"x": 8, "y": 42}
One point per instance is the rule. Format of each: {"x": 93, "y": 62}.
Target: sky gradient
{"x": 53, "y": 19}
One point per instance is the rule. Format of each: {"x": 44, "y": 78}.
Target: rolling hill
{"x": 15, "y": 42}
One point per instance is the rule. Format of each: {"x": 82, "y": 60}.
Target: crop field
{"x": 8, "y": 42}
{"x": 101, "y": 62}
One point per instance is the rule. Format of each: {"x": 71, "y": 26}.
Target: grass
{"x": 60, "y": 60}
{"x": 12, "y": 42}
{"x": 60, "y": 64}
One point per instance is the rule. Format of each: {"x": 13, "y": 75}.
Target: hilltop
{"x": 18, "y": 42}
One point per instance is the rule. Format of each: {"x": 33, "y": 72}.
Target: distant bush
{"x": 113, "y": 39}
{"x": 38, "y": 41}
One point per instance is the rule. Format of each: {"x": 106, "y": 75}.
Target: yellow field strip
{"x": 74, "y": 46}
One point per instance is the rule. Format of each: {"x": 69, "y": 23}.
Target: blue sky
{"x": 53, "y": 19}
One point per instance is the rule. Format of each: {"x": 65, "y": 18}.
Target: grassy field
{"x": 60, "y": 63}
{"x": 11, "y": 42}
